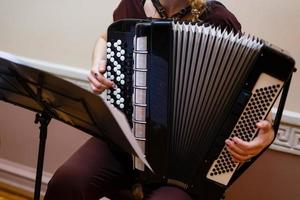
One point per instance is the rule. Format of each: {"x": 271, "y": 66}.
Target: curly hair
{"x": 198, "y": 6}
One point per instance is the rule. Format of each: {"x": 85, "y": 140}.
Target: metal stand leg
{"x": 44, "y": 120}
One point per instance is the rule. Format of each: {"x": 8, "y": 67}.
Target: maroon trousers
{"x": 95, "y": 171}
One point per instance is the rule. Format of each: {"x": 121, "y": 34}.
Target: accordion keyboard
{"x": 263, "y": 96}
{"x": 119, "y": 70}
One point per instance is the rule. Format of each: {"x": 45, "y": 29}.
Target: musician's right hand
{"x": 98, "y": 82}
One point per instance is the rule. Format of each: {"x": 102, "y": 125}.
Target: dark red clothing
{"x": 216, "y": 13}
{"x": 95, "y": 170}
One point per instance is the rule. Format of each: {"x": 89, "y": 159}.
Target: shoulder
{"x": 216, "y": 13}
{"x": 129, "y": 9}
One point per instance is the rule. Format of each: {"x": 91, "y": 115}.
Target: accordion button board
{"x": 119, "y": 70}
{"x": 263, "y": 97}
{"x": 129, "y": 72}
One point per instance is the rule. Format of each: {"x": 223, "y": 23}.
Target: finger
{"x": 99, "y": 66}
{"x": 95, "y": 71}
{"x": 241, "y": 144}
{"x": 96, "y": 83}
{"x": 96, "y": 90}
{"x": 230, "y": 144}
{"x": 104, "y": 81}
{"x": 253, "y": 147}
{"x": 107, "y": 83}
{"x": 237, "y": 157}
{"x": 102, "y": 66}
{"x": 264, "y": 125}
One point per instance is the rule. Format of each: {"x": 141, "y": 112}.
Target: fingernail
{"x": 236, "y": 140}
{"x": 102, "y": 69}
{"x": 260, "y": 123}
{"x": 228, "y": 142}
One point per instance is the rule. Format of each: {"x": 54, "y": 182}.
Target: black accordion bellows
{"x": 203, "y": 85}
{"x": 185, "y": 88}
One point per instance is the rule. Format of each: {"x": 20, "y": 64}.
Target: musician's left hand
{"x": 242, "y": 151}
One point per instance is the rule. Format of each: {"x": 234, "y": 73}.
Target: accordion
{"x": 185, "y": 88}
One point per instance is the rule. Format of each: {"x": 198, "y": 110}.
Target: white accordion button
{"x": 115, "y": 69}
{"x": 116, "y": 63}
{"x": 115, "y": 44}
{"x": 108, "y": 74}
{"x": 118, "y": 79}
{"x": 108, "y": 56}
{"x": 108, "y": 44}
{"x": 112, "y": 101}
{"x": 112, "y": 77}
{"x": 122, "y": 51}
{"x": 119, "y": 54}
{"x": 108, "y": 68}
{"x": 119, "y": 48}
{"x": 121, "y": 105}
{"x": 115, "y": 93}
{"x": 118, "y": 90}
{"x": 119, "y": 66}
{"x": 112, "y": 60}
{"x": 122, "y": 76}
{"x": 122, "y": 82}
{"x": 108, "y": 97}
{"x": 122, "y": 100}
{"x": 119, "y": 73}
{"x": 118, "y": 96}
{"x": 112, "y": 54}
{"x": 108, "y": 91}
{"x": 108, "y": 50}
{"x": 122, "y": 58}
{"x": 119, "y": 42}
{"x": 118, "y": 102}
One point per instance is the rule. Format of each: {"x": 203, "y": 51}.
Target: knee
{"x": 168, "y": 192}
{"x": 66, "y": 182}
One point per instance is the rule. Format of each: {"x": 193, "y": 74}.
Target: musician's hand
{"x": 242, "y": 151}
{"x": 96, "y": 78}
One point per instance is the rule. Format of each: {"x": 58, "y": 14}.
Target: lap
{"x": 168, "y": 192}
{"x": 95, "y": 171}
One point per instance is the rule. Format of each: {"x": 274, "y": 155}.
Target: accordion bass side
{"x": 185, "y": 89}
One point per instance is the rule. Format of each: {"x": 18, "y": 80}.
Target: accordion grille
{"x": 209, "y": 67}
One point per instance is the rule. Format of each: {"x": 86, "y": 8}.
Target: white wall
{"x": 278, "y": 22}
{"x": 60, "y": 31}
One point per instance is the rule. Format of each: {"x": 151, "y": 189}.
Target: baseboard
{"x": 21, "y": 176}
{"x": 288, "y": 137}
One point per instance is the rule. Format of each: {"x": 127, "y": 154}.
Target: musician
{"x": 97, "y": 170}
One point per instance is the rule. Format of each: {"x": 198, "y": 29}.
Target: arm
{"x": 96, "y": 79}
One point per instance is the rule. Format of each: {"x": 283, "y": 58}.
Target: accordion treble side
{"x": 185, "y": 88}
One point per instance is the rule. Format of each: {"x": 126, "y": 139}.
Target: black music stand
{"x": 52, "y": 97}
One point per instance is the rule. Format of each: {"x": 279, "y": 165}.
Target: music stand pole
{"x": 44, "y": 120}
